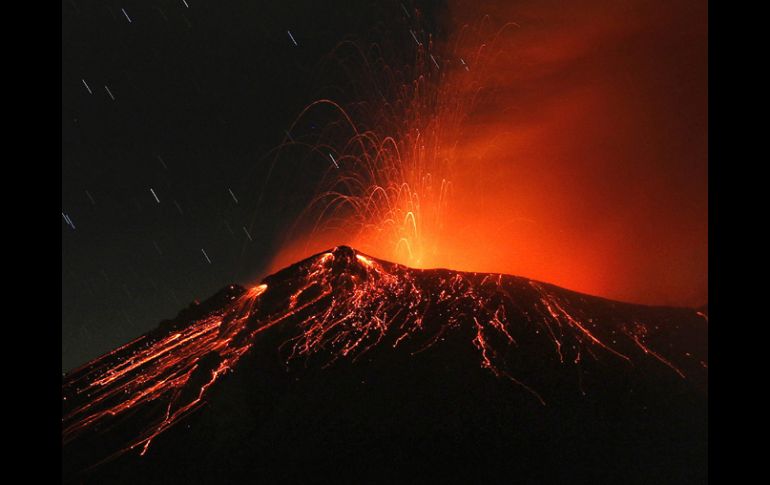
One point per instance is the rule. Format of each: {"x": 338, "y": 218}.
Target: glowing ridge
{"x": 342, "y": 304}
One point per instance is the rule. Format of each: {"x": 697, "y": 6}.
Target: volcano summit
{"x": 346, "y": 368}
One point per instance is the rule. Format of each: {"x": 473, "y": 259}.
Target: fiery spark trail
{"x": 341, "y": 304}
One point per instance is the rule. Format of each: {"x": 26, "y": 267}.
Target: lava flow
{"x": 340, "y": 305}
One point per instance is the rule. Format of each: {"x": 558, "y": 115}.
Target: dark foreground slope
{"x": 344, "y": 368}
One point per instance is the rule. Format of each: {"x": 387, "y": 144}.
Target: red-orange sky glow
{"x": 584, "y": 161}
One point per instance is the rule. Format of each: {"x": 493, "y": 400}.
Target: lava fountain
{"x": 390, "y": 155}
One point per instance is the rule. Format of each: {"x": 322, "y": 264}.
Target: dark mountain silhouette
{"x": 345, "y": 368}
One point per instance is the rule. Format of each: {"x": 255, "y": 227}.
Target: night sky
{"x": 594, "y": 148}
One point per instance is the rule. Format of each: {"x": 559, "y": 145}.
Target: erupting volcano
{"x": 347, "y": 367}
{"x": 437, "y": 148}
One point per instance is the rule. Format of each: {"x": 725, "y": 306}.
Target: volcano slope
{"x": 345, "y": 368}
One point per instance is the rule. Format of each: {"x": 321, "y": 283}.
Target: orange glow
{"x": 568, "y": 146}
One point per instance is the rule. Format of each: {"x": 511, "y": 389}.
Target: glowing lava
{"x": 340, "y": 304}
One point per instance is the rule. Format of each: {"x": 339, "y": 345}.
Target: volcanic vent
{"x": 343, "y": 364}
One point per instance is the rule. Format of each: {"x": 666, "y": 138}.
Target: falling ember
{"x": 341, "y": 304}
